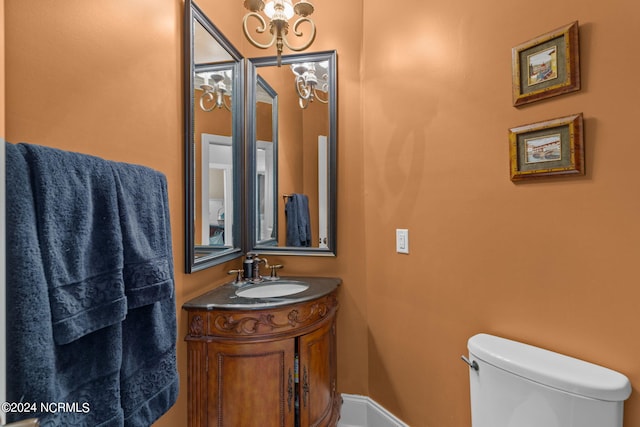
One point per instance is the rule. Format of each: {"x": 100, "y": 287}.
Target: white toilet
{"x": 518, "y": 385}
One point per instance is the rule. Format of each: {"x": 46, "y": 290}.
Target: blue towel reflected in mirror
{"x": 298, "y": 221}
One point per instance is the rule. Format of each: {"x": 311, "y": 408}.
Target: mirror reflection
{"x": 213, "y": 143}
{"x": 213, "y": 137}
{"x": 266, "y": 163}
{"x": 292, "y": 154}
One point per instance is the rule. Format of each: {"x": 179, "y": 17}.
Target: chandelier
{"x": 308, "y": 84}
{"x": 279, "y": 13}
{"x": 214, "y": 95}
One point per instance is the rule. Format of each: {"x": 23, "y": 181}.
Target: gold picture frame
{"x": 550, "y": 148}
{"x": 546, "y": 66}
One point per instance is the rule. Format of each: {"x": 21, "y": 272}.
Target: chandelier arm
{"x": 303, "y": 102}
{"x": 209, "y": 98}
{"x": 301, "y": 88}
{"x": 324, "y": 101}
{"x": 259, "y": 30}
{"x": 312, "y": 37}
{"x": 226, "y": 104}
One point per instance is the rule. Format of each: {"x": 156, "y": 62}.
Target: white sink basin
{"x": 272, "y": 290}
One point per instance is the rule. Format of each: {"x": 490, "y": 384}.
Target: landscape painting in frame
{"x": 543, "y": 66}
{"x": 546, "y": 66}
{"x": 543, "y": 149}
{"x": 550, "y": 148}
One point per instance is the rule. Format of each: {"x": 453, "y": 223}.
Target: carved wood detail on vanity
{"x": 197, "y": 326}
{"x": 197, "y": 383}
{"x": 260, "y": 323}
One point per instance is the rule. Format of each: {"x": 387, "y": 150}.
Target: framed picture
{"x": 546, "y": 66}
{"x": 550, "y": 148}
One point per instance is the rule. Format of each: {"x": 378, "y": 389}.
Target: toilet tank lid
{"x": 551, "y": 369}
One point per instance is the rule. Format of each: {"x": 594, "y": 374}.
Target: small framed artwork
{"x": 550, "y": 148}
{"x": 546, "y": 66}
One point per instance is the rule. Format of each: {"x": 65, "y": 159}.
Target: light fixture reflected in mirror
{"x": 309, "y": 82}
{"x": 279, "y": 13}
{"x": 217, "y": 94}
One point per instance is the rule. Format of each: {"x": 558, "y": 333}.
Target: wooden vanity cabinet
{"x": 264, "y": 368}
{"x": 317, "y": 373}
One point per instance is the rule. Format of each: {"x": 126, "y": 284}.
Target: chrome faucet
{"x": 250, "y": 271}
{"x": 274, "y": 273}
{"x": 239, "y": 280}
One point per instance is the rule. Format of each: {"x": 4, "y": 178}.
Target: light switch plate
{"x": 402, "y": 241}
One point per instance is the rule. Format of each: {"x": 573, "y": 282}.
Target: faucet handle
{"x": 274, "y": 274}
{"x": 238, "y": 274}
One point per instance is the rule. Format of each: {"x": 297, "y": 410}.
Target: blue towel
{"x": 146, "y": 235}
{"x": 298, "y": 221}
{"x": 114, "y": 218}
{"x": 79, "y": 232}
{"x": 84, "y": 372}
{"x": 148, "y": 377}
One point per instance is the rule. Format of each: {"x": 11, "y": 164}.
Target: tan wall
{"x": 106, "y": 79}
{"x": 264, "y": 119}
{"x": 552, "y": 263}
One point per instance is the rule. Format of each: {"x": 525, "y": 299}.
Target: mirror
{"x": 214, "y": 98}
{"x": 291, "y": 161}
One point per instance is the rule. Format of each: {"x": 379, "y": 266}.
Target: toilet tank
{"x": 519, "y": 385}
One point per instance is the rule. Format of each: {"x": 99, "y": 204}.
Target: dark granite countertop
{"x": 225, "y": 298}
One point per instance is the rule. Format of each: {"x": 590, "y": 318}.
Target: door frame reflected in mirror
{"x": 254, "y": 244}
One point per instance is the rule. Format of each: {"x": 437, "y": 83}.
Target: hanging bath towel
{"x": 88, "y": 243}
{"x": 85, "y": 372}
{"x": 79, "y": 232}
{"x": 148, "y": 378}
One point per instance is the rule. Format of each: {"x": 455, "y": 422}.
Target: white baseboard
{"x": 362, "y": 411}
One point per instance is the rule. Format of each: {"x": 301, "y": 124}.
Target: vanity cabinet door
{"x": 317, "y": 387}
{"x": 251, "y": 384}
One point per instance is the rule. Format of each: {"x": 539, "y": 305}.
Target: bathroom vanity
{"x": 264, "y": 360}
